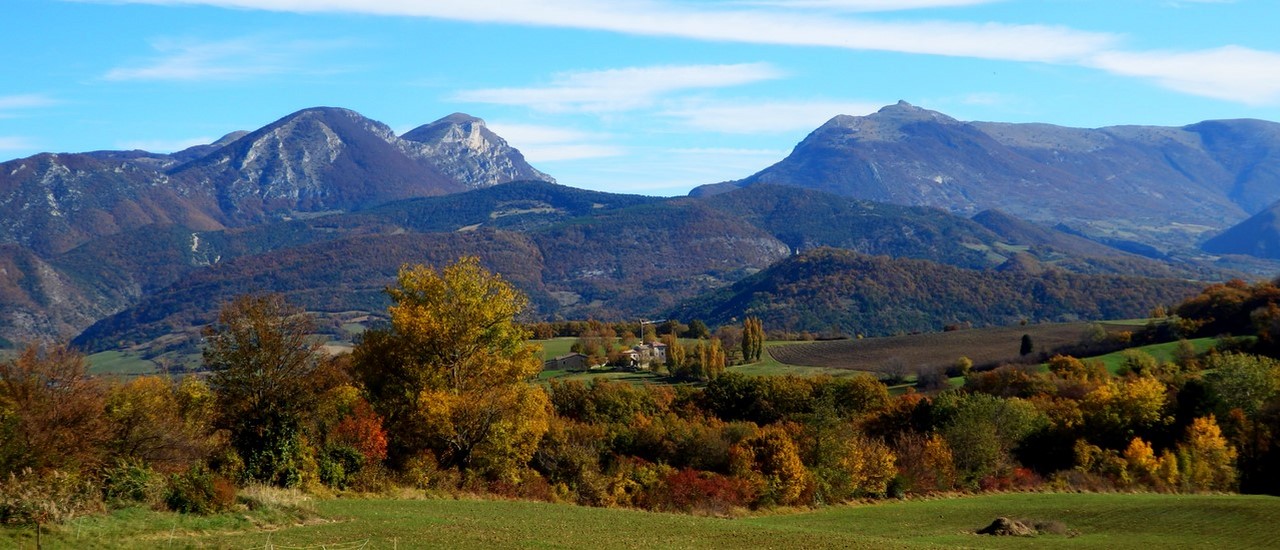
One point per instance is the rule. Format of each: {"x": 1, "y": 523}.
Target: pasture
{"x": 1081, "y": 520}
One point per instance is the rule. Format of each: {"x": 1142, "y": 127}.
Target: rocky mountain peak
{"x": 464, "y": 148}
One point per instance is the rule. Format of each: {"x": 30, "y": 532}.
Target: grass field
{"x": 924, "y": 351}
{"x": 117, "y": 363}
{"x": 1090, "y": 521}
{"x": 1162, "y": 352}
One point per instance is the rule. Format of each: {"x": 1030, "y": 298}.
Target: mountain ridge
{"x": 1175, "y": 185}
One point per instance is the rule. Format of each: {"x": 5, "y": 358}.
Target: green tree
{"x": 698, "y": 330}
{"x": 261, "y": 358}
{"x": 1026, "y": 347}
{"x": 449, "y": 374}
{"x": 1242, "y": 381}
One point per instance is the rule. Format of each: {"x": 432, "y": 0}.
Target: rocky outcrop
{"x": 462, "y": 147}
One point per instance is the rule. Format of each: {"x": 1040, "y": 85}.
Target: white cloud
{"x": 874, "y": 5}
{"x": 25, "y": 101}
{"x": 821, "y": 23}
{"x": 1231, "y": 73}
{"x": 765, "y": 116}
{"x": 11, "y": 103}
{"x": 192, "y": 60}
{"x": 623, "y": 89}
{"x": 15, "y": 143}
{"x": 166, "y": 146}
{"x": 552, "y": 144}
{"x": 716, "y": 22}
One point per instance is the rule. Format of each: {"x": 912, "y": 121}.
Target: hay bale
{"x": 1005, "y": 527}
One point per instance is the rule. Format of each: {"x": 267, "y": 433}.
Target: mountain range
{"x": 131, "y": 248}
{"x": 1163, "y": 187}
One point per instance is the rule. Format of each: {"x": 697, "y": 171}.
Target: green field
{"x": 1086, "y": 521}
{"x": 117, "y": 363}
{"x": 1162, "y": 352}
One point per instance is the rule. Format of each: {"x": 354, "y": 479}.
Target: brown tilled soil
{"x": 922, "y": 352}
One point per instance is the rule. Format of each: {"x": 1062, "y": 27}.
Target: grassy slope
{"x": 1162, "y": 352}
{"x": 1099, "y": 521}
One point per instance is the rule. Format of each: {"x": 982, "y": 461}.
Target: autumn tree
{"x": 261, "y": 358}
{"x": 676, "y": 354}
{"x": 449, "y": 374}
{"x": 147, "y": 425}
{"x": 50, "y": 412}
{"x": 752, "y": 339}
{"x": 1206, "y": 461}
{"x": 772, "y": 463}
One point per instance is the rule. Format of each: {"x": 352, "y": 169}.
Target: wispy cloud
{"x": 873, "y": 5}
{"x": 551, "y": 143}
{"x": 834, "y": 24}
{"x": 1231, "y": 73}
{"x": 21, "y": 102}
{"x": 729, "y": 23}
{"x": 193, "y": 60}
{"x": 623, "y": 89}
{"x": 15, "y": 143}
{"x": 742, "y": 117}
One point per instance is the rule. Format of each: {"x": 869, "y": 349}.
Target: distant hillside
{"x": 1258, "y": 236}
{"x": 103, "y": 229}
{"x": 315, "y": 160}
{"x": 854, "y": 293}
{"x": 1156, "y": 185}
{"x": 597, "y": 254}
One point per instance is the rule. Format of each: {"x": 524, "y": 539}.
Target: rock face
{"x": 1156, "y": 185}
{"x": 462, "y": 147}
{"x": 319, "y": 159}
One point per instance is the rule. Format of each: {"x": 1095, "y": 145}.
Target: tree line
{"x": 443, "y": 397}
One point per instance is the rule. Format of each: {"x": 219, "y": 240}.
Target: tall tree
{"x": 450, "y": 373}
{"x": 752, "y": 339}
{"x": 261, "y": 358}
{"x": 1026, "y": 347}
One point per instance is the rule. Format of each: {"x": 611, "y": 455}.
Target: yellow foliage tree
{"x": 450, "y": 374}
{"x": 1142, "y": 464}
{"x": 771, "y": 461}
{"x": 869, "y": 464}
{"x": 1119, "y": 409}
{"x": 1206, "y": 462}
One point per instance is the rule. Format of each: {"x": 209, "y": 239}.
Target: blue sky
{"x": 650, "y": 97}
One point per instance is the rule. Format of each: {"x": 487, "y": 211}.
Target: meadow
{"x": 1080, "y": 521}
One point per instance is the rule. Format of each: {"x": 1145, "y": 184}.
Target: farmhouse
{"x": 572, "y": 361}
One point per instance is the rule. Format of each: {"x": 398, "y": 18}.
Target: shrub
{"x": 198, "y": 491}
{"x": 689, "y": 490}
{"x": 129, "y": 483}
{"x": 27, "y": 497}
{"x": 339, "y": 464}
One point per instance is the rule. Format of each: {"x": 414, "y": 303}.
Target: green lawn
{"x": 1091, "y": 521}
